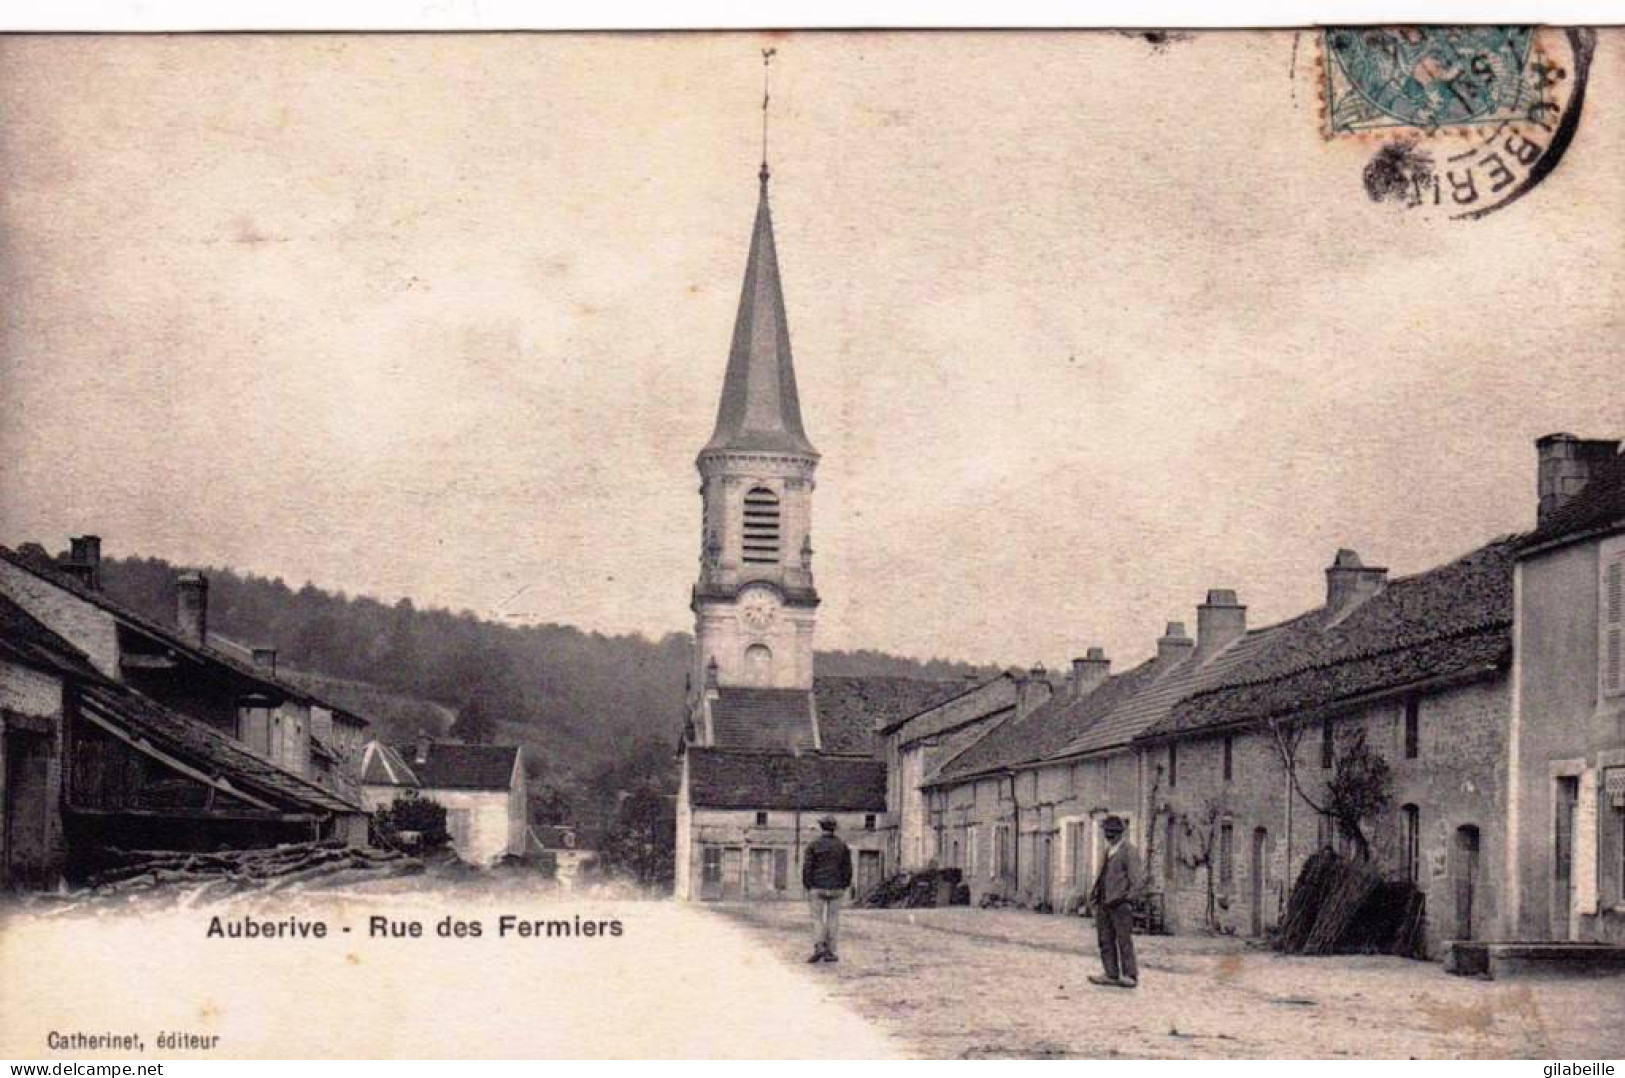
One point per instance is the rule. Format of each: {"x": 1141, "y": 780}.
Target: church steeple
{"x": 754, "y": 603}
{"x": 760, "y": 410}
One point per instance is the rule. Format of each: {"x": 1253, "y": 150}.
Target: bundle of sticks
{"x": 210, "y": 876}
{"x": 1340, "y": 906}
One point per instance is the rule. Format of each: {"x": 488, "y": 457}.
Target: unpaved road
{"x": 968, "y": 982}
{"x": 679, "y": 982}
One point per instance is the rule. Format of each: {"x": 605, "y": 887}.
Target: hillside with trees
{"x": 593, "y": 711}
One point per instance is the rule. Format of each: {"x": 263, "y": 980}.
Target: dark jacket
{"x": 1121, "y": 877}
{"x": 827, "y": 865}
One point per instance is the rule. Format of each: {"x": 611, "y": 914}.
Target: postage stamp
{"x": 1429, "y": 78}
{"x": 1467, "y": 119}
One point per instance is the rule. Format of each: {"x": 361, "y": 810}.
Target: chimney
{"x": 1220, "y": 622}
{"x": 85, "y": 560}
{"x": 1350, "y": 582}
{"x": 1089, "y": 671}
{"x": 265, "y": 659}
{"x": 1174, "y": 645}
{"x": 1565, "y": 465}
{"x": 192, "y": 606}
{"x": 1032, "y": 689}
{"x": 421, "y": 756}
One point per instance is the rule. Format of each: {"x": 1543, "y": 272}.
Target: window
{"x": 1328, "y": 754}
{"x": 1413, "y": 721}
{"x": 1227, "y": 858}
{"x": 1613, "y": 624}
{"x": 1229, "y": 758}
{"x": 758, "y": 664}
{"x": 869, "y": 822}
{"x": 1173, "y": 764}
{"x": 1411, "y": 835}
{"x": 761, "y": 819}
{"x": 711, "y": 870}
{"x": 1001, "y": 851}
{"x": 761, "y": 527}
{"x": 972, "y": 854}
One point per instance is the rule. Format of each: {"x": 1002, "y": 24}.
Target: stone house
{"x": 483, "y": 789}
{"x": 916, "y": 746}
{"x": 182, "y": 669}
{"x": 88, "y": 762}
{"x": 1565, "y": 871}
{"x": 1419, "y": 664}
{"x": 1015, "y": 818}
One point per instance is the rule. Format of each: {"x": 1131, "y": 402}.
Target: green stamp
{"x": 1425, "y": 78}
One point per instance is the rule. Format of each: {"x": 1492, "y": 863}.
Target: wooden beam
{"x": 142, "y": 745}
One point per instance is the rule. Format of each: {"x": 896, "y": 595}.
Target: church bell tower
{"x": 754, "y": 604}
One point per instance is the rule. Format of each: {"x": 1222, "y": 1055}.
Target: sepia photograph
{"x": 813, "y": 544}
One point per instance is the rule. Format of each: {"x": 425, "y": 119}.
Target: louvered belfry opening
{"x": 761, "y": 527}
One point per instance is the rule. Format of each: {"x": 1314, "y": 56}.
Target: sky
{"x": 1083, "y": 326}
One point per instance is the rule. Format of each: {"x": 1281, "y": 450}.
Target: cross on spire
{"x": 767, "y": 72}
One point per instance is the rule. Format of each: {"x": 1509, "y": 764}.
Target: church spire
{"x": 760, "y": 411}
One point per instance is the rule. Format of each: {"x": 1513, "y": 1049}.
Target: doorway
{"x": 733, "y": 870}
{"x": 27, "y": 811}
{"x": 761, "y": 872}
{"x": 868, "y": 871}
{"x": 1260, "y": 877}
{"x": 1464, "y": 874}
{"x": 1567, "y": 797}
{"x": 711, "y": 873}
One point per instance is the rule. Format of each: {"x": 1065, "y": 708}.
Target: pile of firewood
{"x": 1339, "y": 906}
{"x": 199, "y": 877}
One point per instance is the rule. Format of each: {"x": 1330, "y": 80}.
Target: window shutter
{"x": 1613, "y": 625}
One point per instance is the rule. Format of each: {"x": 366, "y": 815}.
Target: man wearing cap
{"x": 1118, "y": 884}
{"x": 826, "y": 872}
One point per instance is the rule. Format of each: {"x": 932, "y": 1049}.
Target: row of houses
{"x": 118, "y": 731}
{"x": 1493, "y": 687}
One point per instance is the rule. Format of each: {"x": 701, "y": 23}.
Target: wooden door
{"x": 1260, "y": 877}
{"x": 733, "y": 872}
{"x": 1464, "y": 872}
{"x": 761, "y": 874}
{"x": 868, "y": 871}
{"x": 711, "y": 873}
{"x": 1046, "y": 863}
{"x": 27, "y": 810}
{"x": 1568, "y": 795}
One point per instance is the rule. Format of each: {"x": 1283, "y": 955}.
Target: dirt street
{"x": 675, "y": 983}
{"x": 975, "y": 983}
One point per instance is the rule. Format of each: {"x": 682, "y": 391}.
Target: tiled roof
{"x": 207, "y": 748}
{"x": 1442, "y": 623}
{"x": 381, "y": 765}
{"x": 31, "y": 643}
{"x": 851, "y": 709}
{"x": 810, "y": 782}
{"x": 164, "y": 633}
{"x": 452, "y": 765}
{"x": 1049, "y": 729}
{"x": 1480, "y": 651}
{"x": 1598, "y": 507}
{"x": 762, "y": 720}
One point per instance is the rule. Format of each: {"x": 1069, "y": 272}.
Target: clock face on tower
{"x": 758, "y": 608}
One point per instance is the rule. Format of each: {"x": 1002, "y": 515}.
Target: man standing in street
{"x": 1118, "y": 884}
{"x": 826, "y": 873}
